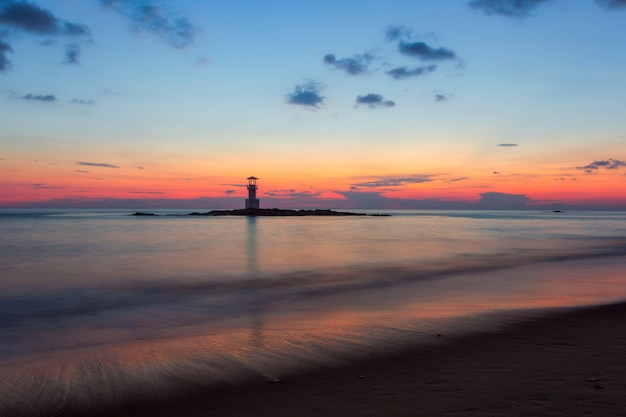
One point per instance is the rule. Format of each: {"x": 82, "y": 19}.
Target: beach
{"x": 566, "y": 363}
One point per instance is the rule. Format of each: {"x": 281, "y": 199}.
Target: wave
{"x": 142, "y": 310}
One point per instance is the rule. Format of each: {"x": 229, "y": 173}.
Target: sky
{"x": 396, "y": 104}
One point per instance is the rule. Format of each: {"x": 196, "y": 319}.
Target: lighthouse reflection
{"x": 257, "y": 303}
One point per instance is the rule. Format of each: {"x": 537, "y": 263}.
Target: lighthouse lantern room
{"x": 252, "y": 202}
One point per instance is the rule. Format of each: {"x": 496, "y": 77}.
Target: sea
{"x": 99, "y": 307}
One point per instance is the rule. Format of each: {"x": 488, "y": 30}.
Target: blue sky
{"x": 406, "y": 101}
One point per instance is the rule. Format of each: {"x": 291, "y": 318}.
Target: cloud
{"x": 5, "y": 63}
{"x": 39, "y": 97}
{"x": 292, "y": 193}
{"x": 440, "y": 97}
{"x": 356, "y": 65}
{"x": 496, "y": 200}
{"x": 606, "y": 164}
{"x": 307, "y": 94}
{"x": 81, "y": 171}
{"x": 424, "y": 52}
{"x": 417, "y": 49}
{"x": 456, "y": 179}
{"x": 28, "y": 17}
{"x": 374, "y": 101}
{"x": 612, "y": 4}
{"x": 82, "y": 102}
{"x": 202, "y": 61}
{"x": 229, "y": 192}
{"x": 392, "y": 182}
{"x": 395, "y": 33}
{"x": 46, "y": 187}
{"x": 509, "y": 8}
{"x": 148, "y": 192}
{"x": 508, "y": 145}
{"x": 496, "y": 172}
{"x": 96, "y": 164}
{"x": 72, "y": 54}
{"x": 404, "y": 72}
{"x": 146, "y": 16}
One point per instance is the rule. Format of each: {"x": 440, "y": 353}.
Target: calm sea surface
{"x": 104, "y": 299}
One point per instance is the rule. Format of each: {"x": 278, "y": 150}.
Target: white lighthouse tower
{"x": 252, "y": 202}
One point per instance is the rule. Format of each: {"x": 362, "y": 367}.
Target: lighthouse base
{"x": 252, "y": 203}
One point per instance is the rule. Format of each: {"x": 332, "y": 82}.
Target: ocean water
{"x": 98, "y": 306}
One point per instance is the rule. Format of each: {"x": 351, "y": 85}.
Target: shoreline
{"x": 567, "y": 363}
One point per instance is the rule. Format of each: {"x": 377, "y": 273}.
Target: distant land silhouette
{"x": 270, "y": 212}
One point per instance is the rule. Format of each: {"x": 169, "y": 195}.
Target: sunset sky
{"x": 331, "y": 104}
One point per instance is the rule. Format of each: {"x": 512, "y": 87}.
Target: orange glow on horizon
{"x": 40, "y": 181}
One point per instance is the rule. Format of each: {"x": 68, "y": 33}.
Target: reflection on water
{"x": 257, "y": 303}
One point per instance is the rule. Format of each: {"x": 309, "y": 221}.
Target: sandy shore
{"x": 568, "y": 364}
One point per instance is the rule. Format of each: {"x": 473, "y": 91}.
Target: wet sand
{"x": 570, "y": 363}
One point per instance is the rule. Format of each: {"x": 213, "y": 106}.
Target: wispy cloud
{"x": 509, "y": 8}
{"x": 508, "y": 145}
{"x": 148, "y": 192}
{"x": 374, "y": 100}
{"x": 292, "y": 193}
{"x": 397, "y": 32}
{"x": 46, "y": 187}
{"x": 97, "y": 164}
{"x": 82, "y": 102}
{"x": 356, "y": 65}
{"x": 404, "y": 72}
{"x": 147, "y": 16}
{"x": 72, "y": 54}
{"x": 456, "y": 179}
{"x": 40, "y": 97}
{"x": 606, "y": 164}
{"x": 440, "y": 97}
{"x": 612, "y": 4}
{"x": 307, "y": 94}
{"x": 392, "y": 181}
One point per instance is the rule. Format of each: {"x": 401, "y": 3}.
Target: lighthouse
{"x": 252, "y": 202}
